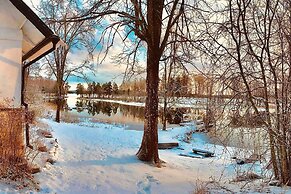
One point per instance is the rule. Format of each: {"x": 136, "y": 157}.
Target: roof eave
{"x": 50, "y": 37}
{"x": 32, "y": 17}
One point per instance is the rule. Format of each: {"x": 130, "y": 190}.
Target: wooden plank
{"x": 204, "y": 153}
{"x": 167, "y": 145}
{"x": 190, "y": 155}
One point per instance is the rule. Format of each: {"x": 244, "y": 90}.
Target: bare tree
{"x": 151, "y": 22}
{"x": 249, "y": 39}
{"x": 77, "y": 35}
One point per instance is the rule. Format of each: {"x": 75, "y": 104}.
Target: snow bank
{"x": 179, "y": 103}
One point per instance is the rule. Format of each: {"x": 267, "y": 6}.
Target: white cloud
{"x": 105, "y": 72}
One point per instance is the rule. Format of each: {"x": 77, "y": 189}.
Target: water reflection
{"x": 110, "y": 109}
{"x": 131, "y": 116}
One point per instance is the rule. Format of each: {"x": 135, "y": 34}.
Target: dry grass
{"x": 12, "y": 159}
{"x": 248, "y": 176}
{"x": 11, "y": 134}
{"x": 14, "y": 166}
{"x": 68, "y": 117}
{"x": 201, "y": 188}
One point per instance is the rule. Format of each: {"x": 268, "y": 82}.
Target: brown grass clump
{"x": 14, "y": 167}
{"x": 249, "y": 176}
{"x": 201, "y": 188}
{"x": 68, "y": 117}
{"x": 13, "y": 164}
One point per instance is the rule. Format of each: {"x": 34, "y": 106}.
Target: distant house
{"x": 24, "y": 39}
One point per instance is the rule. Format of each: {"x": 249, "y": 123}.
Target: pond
{"x": 131, "y": 116}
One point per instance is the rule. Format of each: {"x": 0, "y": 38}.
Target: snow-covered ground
{"x": 100, "y": 158}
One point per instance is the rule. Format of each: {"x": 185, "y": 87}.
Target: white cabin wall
{"x": 10, "y": 65}
{"x": 11, "y": 38}
{"x": 17, "y": 37}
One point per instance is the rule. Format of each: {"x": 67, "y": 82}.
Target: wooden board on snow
{"x": 191, "y": 155}
{"x": 171, "y": 145}
{"x": 204, "y": 153}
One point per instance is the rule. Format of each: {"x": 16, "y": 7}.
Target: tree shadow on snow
{"x": 109, "y": 161}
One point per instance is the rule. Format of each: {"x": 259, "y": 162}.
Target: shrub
{"x": 13, "y": 164}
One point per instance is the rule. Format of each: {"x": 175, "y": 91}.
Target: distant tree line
{"x": 97, "y": 89}
{"x": 180, "y": 85}
{"x": 136, "y": 87}
{"x": 45, "y": 85}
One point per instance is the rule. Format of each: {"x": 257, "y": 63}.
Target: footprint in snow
{"x": 45, "y": 190}
{"x": 144, "y": 186}
{"x": 152, "y": 179}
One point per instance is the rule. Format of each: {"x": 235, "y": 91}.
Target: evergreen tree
{"x": 98, "y": 89}
{"x": 108, "y": 88}
{"x": 93, "y": 88}
{"x": 80, "y": 89}
{"x": 115, "y": 88}
{"x": 90, "y": 89}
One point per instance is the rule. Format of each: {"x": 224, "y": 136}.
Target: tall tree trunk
{"x": 59, "y": 101}
{"x": 58, "y": 112}
{"x": 165, "y": 99}
{"x": 165, "y": 112}
{"x": 149, "y": 147}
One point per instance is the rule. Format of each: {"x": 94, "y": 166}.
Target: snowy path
{"x": 102, "y": 160}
